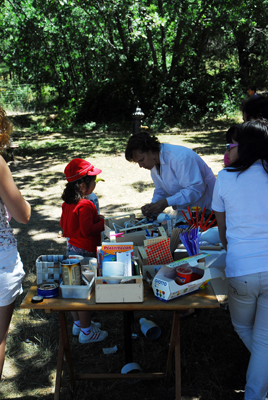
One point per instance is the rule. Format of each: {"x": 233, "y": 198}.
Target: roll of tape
{"x": 48, "y": 290}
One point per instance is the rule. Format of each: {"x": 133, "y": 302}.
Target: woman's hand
{"x": 145, "y": 208}
{"x": 154, "y": 208}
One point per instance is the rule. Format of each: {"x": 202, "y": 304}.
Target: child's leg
{"x": 85, "y": 318}
{"x": 75, "y": 315}
{"x": 89, "y": 333}
{"x": 85, "y": 321}
{"x": 5, "y": 318}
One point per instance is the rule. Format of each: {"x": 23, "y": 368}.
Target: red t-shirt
{"x": 81, "y": 223}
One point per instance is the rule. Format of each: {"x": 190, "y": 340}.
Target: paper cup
{"x": 184, "y": 274}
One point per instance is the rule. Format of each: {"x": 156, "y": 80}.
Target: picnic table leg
{"x": 59, "y": 370}
{"x": 175, "y": 347}
{"x": 64, "y": 347}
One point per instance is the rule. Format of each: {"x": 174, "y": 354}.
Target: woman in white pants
{"x": 240, "y": 202}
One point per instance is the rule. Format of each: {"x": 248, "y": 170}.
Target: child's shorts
{"x": 72, "y": 250}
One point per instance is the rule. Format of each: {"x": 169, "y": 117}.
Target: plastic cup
{"x": 131, "y": 367}
{"x": 150, "y": 329}
{"x": 184, "y": 274}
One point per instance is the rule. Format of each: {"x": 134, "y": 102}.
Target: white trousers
{"x": 248, "y": 303}
{"x": 11, "y": 276}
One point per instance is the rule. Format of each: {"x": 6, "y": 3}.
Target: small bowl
{"x": 112, "y": 269}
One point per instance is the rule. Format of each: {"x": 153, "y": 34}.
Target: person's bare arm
{"x": 19, "y": 208}
{"x": 220, "y": 216}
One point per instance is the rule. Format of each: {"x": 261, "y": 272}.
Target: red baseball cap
{"x": 78, "y": 168}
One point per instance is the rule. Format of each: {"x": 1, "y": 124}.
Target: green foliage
{"x": 16, "y": 97}
{"x": 24, "y": 97}
{"x": 183, "y": 60}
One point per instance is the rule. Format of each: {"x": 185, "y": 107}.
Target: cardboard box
{"x": 154, "y": 253}
{"x": 118, "y": 220}
{"x": 137, "y": 238}
{"x": 165, "y": 288}
{"x": 117, "y": 223}
{"x": 216, "y": 259}
{"x": 119, "y": 293}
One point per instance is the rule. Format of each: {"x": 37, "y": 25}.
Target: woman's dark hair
{"x": 142, "y": 142}
{"x": 252, "y": 139}
{"x": 256, "y": 108}
{"x": 73, "y": 193}
{"x": 230, "y": 133}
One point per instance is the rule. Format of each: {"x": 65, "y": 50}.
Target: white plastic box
{"x": 78, "y": 291}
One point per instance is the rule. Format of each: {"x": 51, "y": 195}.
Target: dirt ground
{"x": 213, "y": 360}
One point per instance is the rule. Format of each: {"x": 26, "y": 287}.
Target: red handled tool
{"x": 195, "y": 222}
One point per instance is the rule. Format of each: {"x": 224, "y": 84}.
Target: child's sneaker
{"x": 95, "y": 335}
{"x": 76, "y": 329}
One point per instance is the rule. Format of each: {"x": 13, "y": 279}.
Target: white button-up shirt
{"x": 184, "y": 178}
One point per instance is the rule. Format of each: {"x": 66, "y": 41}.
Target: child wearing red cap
{"x": 82, "y": 224}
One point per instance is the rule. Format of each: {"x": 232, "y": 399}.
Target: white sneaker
{"x": 76, "y": 329}
{"x": 95, "y": 335}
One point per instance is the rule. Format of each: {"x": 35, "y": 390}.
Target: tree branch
{"x": 180, "y": 44}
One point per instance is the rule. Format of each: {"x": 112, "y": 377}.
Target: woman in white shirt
{"x": 181, "y": 178}
{"x": 240, "y": 204}
{"x": 11, "y": 269}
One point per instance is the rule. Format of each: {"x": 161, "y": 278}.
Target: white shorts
{"x": 11, "y": 276}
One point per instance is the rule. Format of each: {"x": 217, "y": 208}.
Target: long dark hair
{"x": 142, "y": 142}
{"x": 72, "y": 193}
{"x": 252, "y": 139}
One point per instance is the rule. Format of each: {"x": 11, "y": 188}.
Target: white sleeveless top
{"x": 7, "y": 239}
